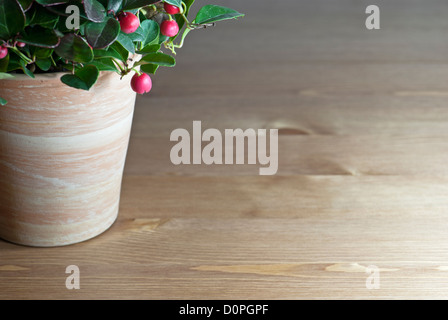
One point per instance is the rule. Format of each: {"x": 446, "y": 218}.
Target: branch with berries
{"x": 84, "y": 38}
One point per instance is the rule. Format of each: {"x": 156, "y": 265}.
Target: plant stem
{"x": 117, "y": 63}
{"x": 136, "y": 71}
{"x": 180, "y": 45}
{"x": 21, "y": 55}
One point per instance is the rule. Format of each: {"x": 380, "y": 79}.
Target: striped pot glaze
{"x": 62, "y": 154}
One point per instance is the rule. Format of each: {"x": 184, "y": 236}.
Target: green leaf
{"x": 4, "y": 75}
{"x": 25, "y": 69}
{"x": 158, "y": 58}
{"x": 3, "y": 101}
{"x": 149, "y": 68}
{"x": 105, "y": 65}
{"x": 103, "y": 34}
{"x": 152, "y": 30}
{"x": 74, "y": 48}
{"x": 51, "y": 2}
{"x": 137, "y": 4}
{"x": 162, "y": 39}
{"x": 43, "y": 17}
{"x": 124, "y": 54}
{"x": 177, "y": 3}
{"x": 84, "y": 78}
{"x": 137, "y": 36}
{"x": 12, "y": 19}
{"x": 212, "y": 13}
{"x": 94, "y": 10}
{"x": 109, "y": 53}
{"x": 26, "y": 4}
{"x": 44, "y": 64}
{"x": 114, "y": 5}
{"x": 40, "y": 37}
{"x": 41, "y": 53}
{"x": 126, "y": 42}
{"x": 150, "y": 48}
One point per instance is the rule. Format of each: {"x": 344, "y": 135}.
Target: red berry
{"x": 169, "y": 28}
{"x": 170, "y": 9}
{"x": 141, "y": 83}
{"x": 3, "y": 52}
{"x": 20, "y": 44}
{"x": 128, "y": 22}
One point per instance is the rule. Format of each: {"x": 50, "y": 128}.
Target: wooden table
{"x": 362, "y": 180}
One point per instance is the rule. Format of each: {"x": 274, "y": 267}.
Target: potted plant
{"x": 69, "y": 74}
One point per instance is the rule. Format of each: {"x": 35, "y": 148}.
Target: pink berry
{"x": 141, "y": 83}
{"x": 20, "y": 44}
{"x": 129, "y": 22}
{"x": 3, "y": 52}
{"x": 170, "y": 9}
{"x": 169, "y": 28}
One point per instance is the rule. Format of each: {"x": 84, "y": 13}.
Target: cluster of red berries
{"x": 129, "y": 23}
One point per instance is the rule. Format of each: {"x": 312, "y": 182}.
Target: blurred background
{"x": 309, "y": 69}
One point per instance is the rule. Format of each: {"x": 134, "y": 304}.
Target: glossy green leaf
{"x": 12, "y": 19}
{"x": 43, "y": 17}
{"x": 74, "y": 48}
{"x": 26, "y": 4}
{"x": 126, "y": 42}
{"x": 103, "y": 34}
{"x": 41, "y": 53}
{"x": 105, "y": 65}
{"x": 162, "y": 39}
{"x": 94, "y": 10}
{"x": 152, "y": 30}
{"x": 158, "y": 58}
{"x": 124, "y": 54}
{"x": 25, "y": 70}
{"x": 107, "y": 53}
{"x": 114, "y": 5}
{"x": 40, "y": 37}
{"x": 138, "y": 36}
{"x": 44, "y": 64}
{"x": 3, "y": 101}
{"x": 150, "y": 48}
{"x": 149, "y": 68}
{"x": 84, "y": 78}
{"x": 213, "y": 13}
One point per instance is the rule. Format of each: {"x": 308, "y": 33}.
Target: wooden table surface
{"x": 363, "y": 166}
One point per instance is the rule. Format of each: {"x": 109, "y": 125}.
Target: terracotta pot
{"x": 62, "y": 154}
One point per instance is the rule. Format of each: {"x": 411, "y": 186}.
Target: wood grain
{"x": 362, "y": 177}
